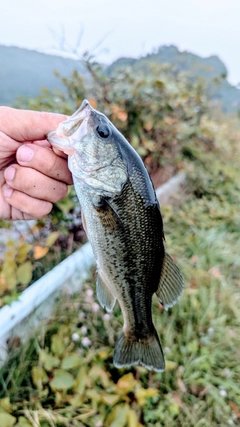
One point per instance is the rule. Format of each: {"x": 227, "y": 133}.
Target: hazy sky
{"x": 127, "y": 27}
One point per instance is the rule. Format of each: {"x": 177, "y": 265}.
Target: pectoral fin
{"x": 104, "y": 295}
{"x": 84, "y": 222}
{"x": 171, "y": 283}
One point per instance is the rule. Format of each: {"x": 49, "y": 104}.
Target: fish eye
{"x": 103, "y": 131}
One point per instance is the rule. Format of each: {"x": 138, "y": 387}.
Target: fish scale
{"x": 122, "y": 219}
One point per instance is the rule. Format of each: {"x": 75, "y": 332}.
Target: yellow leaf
{"x": 132, "y": 418}
{"x": 51, "y": 239}
{"x": 118, "y": 416}
{"x": 23, "y": 252}
{"x": 110, "y": 399}
{"x": 9, "y": 254}
{"x": 7, "y": 420}
{"x": 126, "y": 383}
{"x": 76, "y": 400}
{"x": 39, "y": 252}
{"x": 148, "y": 125}
{"x": 171, "y": 366}
{"x": 81, "y": 381}
{"x": 5, "y": 404}
{"x": 97, "y": 373}
{"x": 195, "y": 303}
{"x": 9, "y": 275}
{"x": 24, "y": 273}
{"x": 103, "y": 354}
{"x": 93, "y": 395}
{"x": 142, "y": 395}
{"x": 39, "y": 377}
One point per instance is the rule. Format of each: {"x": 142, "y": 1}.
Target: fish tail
{"x": 147, "y": 352}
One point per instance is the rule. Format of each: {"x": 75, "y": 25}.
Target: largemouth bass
{"x": 122, "y": 219}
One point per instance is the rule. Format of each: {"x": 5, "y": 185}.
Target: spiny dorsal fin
{"x": 171, "y": 283}
{"x": 104, "y": 295}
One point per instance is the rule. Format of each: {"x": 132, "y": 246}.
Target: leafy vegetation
{"x": 64, "y": 376}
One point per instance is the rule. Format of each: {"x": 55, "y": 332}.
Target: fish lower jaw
{"x": 67, "y": 150}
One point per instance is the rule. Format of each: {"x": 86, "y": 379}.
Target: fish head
{"x": 90, "y": 140}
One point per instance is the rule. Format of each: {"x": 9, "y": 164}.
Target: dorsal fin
{"x": 171, "y": 283}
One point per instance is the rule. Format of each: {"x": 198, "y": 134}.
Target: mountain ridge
{"x": 25, "y": 72}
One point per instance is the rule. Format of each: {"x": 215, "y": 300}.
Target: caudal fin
{"x": 147, "y": 352}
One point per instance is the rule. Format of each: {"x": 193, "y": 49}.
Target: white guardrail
{"x": 23, "y": 316}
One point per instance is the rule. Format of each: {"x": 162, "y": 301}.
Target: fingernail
{"x": 9, "y": 173}
{"x": 8, "y": 192}
{"x": 25, "y": 153}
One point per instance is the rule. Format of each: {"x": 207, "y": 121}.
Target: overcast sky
{"x": 127, "y": 27}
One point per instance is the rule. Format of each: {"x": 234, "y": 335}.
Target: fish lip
{"x": 85, "y": 103}
{"x": 66, "y": 150}
{"x": 59, "y": 137}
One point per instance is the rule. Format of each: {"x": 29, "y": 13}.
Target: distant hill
{"x": 25, "y": 72}
{"x": 212, "y": 69}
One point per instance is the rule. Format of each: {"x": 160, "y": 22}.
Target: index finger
{"x": 44, "y": 160}
{"x": 26, "y": 125}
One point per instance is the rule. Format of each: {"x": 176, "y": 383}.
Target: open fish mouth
{"x": 60, "y": 138}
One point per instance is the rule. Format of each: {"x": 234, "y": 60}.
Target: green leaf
{"x": 81, "y": 381}
{"x": 7, "y": 420}
{"x": 9, "y": 275}
{"x": 23, "y": 422}
{"x": 62, "y": 380}
{"x": 24, "y": 273}
{"x": 71, "y": 361}
{"x": 118, "y": 416}
{"x": 57, "y": 345}
{"x": 48, "y": 360}
{"x": 66, "y": 205}
{"x": 39, "y": 376}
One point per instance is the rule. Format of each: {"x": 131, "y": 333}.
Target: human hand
{"x": 32, "y": 175}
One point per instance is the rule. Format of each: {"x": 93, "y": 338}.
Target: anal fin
{"x": 104, "y": 295}
{"x": 171, "y": 283}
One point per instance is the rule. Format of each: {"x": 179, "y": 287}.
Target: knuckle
{"x": 62, "y": 192}
{"x": 39, "y": 209}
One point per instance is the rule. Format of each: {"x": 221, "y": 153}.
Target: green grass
{"x": 65, "y": 377}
